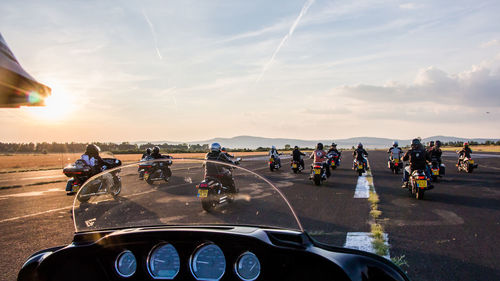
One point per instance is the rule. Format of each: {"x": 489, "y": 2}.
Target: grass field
{"x": 476, "y": 148}
{"x": 33, "y": 162}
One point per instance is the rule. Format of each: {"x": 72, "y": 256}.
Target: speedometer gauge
{"x": 163, "y": 262}
{"x": 208, "y": 263}
{"x": 125, "y": 264}
{"x": 247, "y": 266}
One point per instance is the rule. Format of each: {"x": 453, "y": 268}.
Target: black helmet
{"x": 156, "y": 149}
{"x": 431, "y": 144}
{"x": 415, "y": 143}
{"x": 92, "y": 149}
{"x": 148, "y": 151}
{"x": 223, "y": 149}
{"x": 438, "y": 143}
{"x": 295, "y": 147}
{"x": 319, "y": 146}
{"x": 334, "y": 144}
{"x": 360, "y": 145}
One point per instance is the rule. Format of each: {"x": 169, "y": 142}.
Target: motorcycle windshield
{"x": 140, "y": 196}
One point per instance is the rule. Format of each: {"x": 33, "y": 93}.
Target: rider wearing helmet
{"x": 465, "y": 152}
{"x": 220, "y": 171}
{"x": 320, "y": 156}
{"x": 147, "y": 153}
{"x": 223, "y": 150}
{"x": 91, "y": 158}
{"x": 273, "y": 153}
{"x": 418, "y": 158}
{"x": 297, "y": 156}
{"x": 333, "y": 149}
{"x": 155, "y": 154}
{"x": 359, "y": 154}
{"x": 395, "y": 151}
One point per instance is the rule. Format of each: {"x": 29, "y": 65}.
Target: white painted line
{"x": 33, "y": 178}
{"x": 362, "y": 188}
{"x": 36, "y": 214}
{"x": 363, "y": 241}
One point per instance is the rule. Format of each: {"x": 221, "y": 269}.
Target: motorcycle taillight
{"x": 203, "y": 185}
{"x": 317, "y": 167}
{"x": 421, "y": 177}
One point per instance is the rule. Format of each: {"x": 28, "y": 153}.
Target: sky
{"x": 309, "y": 69}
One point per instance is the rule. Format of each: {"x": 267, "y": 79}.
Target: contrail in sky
{"x": 287, "y": 36}
{"x": 152, "y": 32}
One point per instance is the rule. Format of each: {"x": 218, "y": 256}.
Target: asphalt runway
{"x": 451, "y": 235}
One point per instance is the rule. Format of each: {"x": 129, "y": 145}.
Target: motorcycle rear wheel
{"x": 317, "y": 179}
{"x": 208, "y": 204}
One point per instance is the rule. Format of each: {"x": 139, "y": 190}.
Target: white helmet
{"x": 273, "y": 147}
{"x": 215, "y": 146}
{"x": 395, "y": 144}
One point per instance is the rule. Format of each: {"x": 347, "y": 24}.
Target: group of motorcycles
{"x": 318, "y": 170}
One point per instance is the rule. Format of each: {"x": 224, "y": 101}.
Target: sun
{"x": 57, "y": 106}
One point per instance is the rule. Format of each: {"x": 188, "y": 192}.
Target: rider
{"x": 436, "y": 153}
{"x": 297, "y": 156}
{"x": 465, "y": 152}
{"x": 91, "y": 158}
{"x": 320, "y": 156}
{"x": 274, "y": 154}
{"x": 395, "y": 151}
{"x": 223, "y": 150}
{"x": 417, "y": 157}
{"x": 155, "y": 154}
{"x": 220, "y": 171}
{"x": 147, "y": 153}
{"x": 359, "y": 154}
{"x": 333, "y": 148}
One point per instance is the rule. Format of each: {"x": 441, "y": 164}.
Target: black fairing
{"x": 284, "y": 255}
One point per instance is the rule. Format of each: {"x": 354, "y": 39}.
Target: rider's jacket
{"x": 159, "y": 156}
{"x": 296, "y": 155}
{"x": 319, "y": 156}
{"x": 359, "y": 153}
{"x": 436, "y": 153}
{"x": 465, "y": 151}
{"x": 417, "y": 158}
{"x": 144, "y": 155}
{"x": 333, "y": 150}
{"x": 212, "y": 168}
{"x": 94, "y": 161}
{"x": 274, "y": 153}
{"x": 395, "y": 152}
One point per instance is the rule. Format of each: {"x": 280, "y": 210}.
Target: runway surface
{"x": 451, "y": 235}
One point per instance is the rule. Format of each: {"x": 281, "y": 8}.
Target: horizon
{"x": 294, "y": 69}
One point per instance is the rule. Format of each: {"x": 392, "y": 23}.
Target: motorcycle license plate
{"x": 471, "y": 161}
{"x": 202, "y": 193}
{"x": 146, "y": 176}
{"x": 333, "y": 164}
{"x": 294, "y": 166}
{"x": 421, "y": 183}
{"x": 317, "y": 171}
{"x": 396, "y": 160}
{"x": 360, "y": 167}
{"x": 435, "y": 172}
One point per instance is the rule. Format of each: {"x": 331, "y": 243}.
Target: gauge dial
{"x": 208, "y": 263}
{"x": 247, "y": 266}
{"x": 164, "y": 262}
{"x": 126, "y": 264}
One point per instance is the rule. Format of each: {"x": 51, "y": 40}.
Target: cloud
{"x": 287, "y": 36}
{"x": 477, "y": 87}
{"x": 491, "y": 43}
{"x": 408, "y": 6}
{"x": 153, "y": 32}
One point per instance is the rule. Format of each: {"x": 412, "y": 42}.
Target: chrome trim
{"x": 238, "y": 261}
{"x": 118, "y": 258}
{"x": 196, "y": 252}
{"x": 148, "y": 264}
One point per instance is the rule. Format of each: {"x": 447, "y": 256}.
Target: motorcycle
{"x": 318, "y": 173}
{"x": 155, "y": 234}
{"x": 152, "y": 170}
{"x": 437, "y": 170}
{"x": 296, "y": 167}
{"x": 79, "y": 172}
{"x": 334, "y": 160}
{"x": 273, "y": 164}
{"x": 395, "y": 165}
{"x": 359, "y": 167}
{"x": 418, "y": 184}
{"x": 213, "y": 192}
{"x": 467, "y": 165}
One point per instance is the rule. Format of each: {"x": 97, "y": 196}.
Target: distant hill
{"x": 369, "y": 142}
